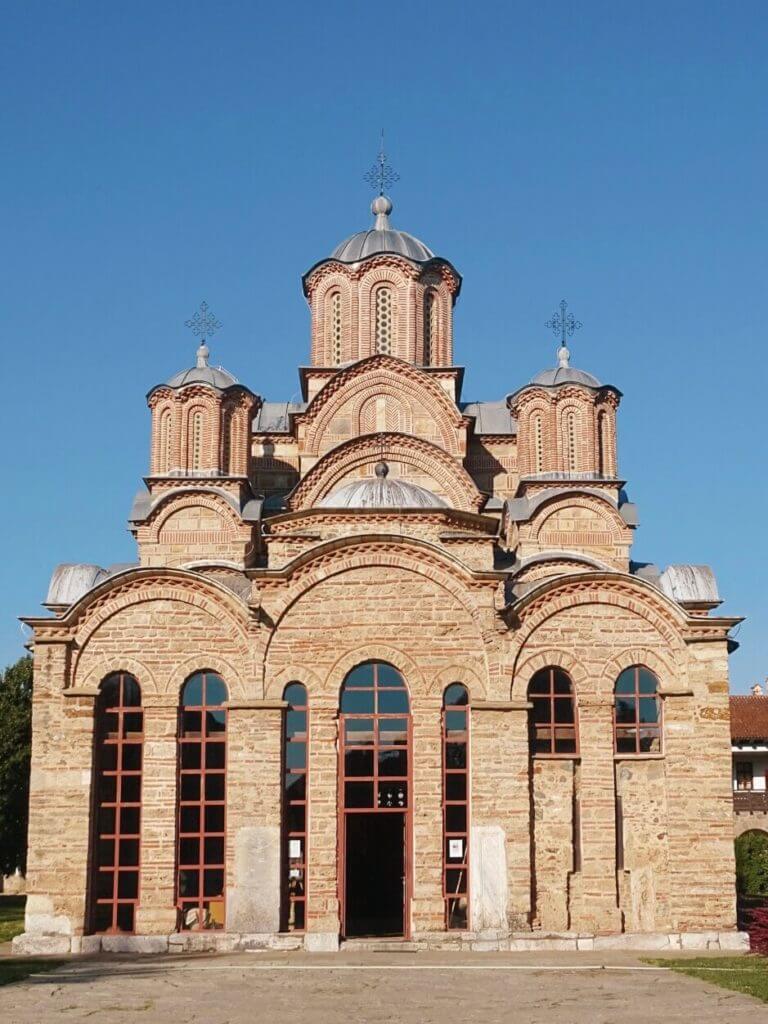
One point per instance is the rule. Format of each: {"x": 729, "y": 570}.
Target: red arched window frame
{"x": 553, "y": 722}
{"x": 201, "y": 834}
{"x": 116, "y": 846}
{"x": 295, "y": 788}
{"x": 456, "y": 717}
{"x": 637, "y": 713}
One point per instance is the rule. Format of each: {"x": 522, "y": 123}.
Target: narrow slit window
{"x": 295, "y": 790}
{"x": 196, "y": 440}
{"x": 637, "y": 712}
{"x": 334, "y": 328}
{"x": 384, "y": 320}
{"x": 430, "y": 328}
{"x": 553, "y": 729}
{"x": 166, "y": 442}
{"x": 201, "y": 834}
{"x": 456, "y": 806}
{"x": 118, "y": 748}
{"x": 571, "y": 452}
{"x": 538, "y": 445}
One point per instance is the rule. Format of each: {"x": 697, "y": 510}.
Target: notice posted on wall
{"x": 455, "y": 849}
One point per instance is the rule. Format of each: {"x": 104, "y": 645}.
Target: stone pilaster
{"x": 322, "y": 921}
{"x": 254, "y": 810}
{"x": 594, "y": 898}
{"x": 156, "y": 912}
{"x": 500, "y": 851}
{"x": 427, "y": 908}
{"x": 552, "y": 782}
{"x": 60, "y": 798}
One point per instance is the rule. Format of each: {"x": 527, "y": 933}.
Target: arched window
{"x": 195, "y": 460}
{"x": 295, "y": 738}
{"x": 456, "y": 806}
{"x": 637, "y": 712}
{"x": 202, "y": 801}
{"x": 604, "y": 467}
{"x": 431, "y": 323}
{"x": 570, "y": 439}
{"x": 553, "y": 718}
{"x": 166, "y": 441}
{"x": 118, "y": 745}
{"x": 334, "y": 334}
{"x": 227, "y": 421}
{"x": 384, "y": 320}
{"x": 538, "y": 444}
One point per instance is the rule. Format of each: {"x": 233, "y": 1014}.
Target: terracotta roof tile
{"x": 749, "y": 718}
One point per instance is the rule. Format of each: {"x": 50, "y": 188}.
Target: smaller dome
{"x": 566, "y": 375}
{"x": 202, "y": 373}
{"x": 381, "y": 492}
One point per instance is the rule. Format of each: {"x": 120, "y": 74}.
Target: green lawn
{"x": 747, "y": 974}
{"x": 17, "y": 968}
{"x": 11, "y": 916}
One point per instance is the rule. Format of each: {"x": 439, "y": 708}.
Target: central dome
{"x": 381, "y": 238}
{"x": 382, "y": 492}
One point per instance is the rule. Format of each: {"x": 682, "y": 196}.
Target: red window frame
{"x": 201, "y": 831}
{"x": 295, "y": 791}
{"x": 636, "y": 736}
{"x": 388, "y": 793}
{"x": 456, "y": 799}
{"x": 550, "y": 689}
{"x": 116, "y": 845}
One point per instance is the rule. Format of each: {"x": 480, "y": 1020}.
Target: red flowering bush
{"x": 758, "y": 931}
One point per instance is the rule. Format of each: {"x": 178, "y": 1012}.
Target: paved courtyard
{"x": 372, "y": 988}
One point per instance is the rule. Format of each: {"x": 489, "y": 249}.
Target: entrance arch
{"x": 375, "y": 768}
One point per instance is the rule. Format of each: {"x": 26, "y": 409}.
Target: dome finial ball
{"x": 381, "y": 205}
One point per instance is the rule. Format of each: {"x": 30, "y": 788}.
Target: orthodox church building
{"x": 384, "y": 667}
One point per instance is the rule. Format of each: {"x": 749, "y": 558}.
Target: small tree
{"x": 752, "y": 864}
{"x": 15, "y": 750}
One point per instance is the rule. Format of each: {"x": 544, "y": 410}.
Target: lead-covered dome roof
{"x": 381, "y": 238}
{"x": 381, "y": 492}
{"x": 566, "y": 375}
{"x": 202, "y": 373}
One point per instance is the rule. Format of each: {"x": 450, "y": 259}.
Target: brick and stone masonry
{"x": 492, "y": 547}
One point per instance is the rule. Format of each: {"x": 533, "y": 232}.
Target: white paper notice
{"x": 294, "y": 848}
{"x": 455, "y": 848}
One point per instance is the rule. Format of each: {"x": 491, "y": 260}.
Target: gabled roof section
{"x": 749, "y": 718}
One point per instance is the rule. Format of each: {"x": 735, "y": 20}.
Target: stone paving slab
{"x": 408, "y": 988}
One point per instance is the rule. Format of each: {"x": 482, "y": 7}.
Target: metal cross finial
{"x": 563, "y": 323}
{"x": 381, "y": 176}
{"x": 203, "y": 324}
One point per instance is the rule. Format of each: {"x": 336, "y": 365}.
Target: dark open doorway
{"x": 375, "y": 873}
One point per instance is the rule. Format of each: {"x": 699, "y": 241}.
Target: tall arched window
{"x": 456, "y": 806}
{"x": 333, "y": 313}
{"x": 637, "y": 712}
{"x": 202, "y": 801}
{"x": 553, "y": 718}
{"x": 227, "y": 421}
{"x": 538, "y": 444}
{"x": 295, "y": 738}
{"x": 571, "y": 449}
{"x": 384, "y": 314}
{"x": 431, "y": 324}
{"x": 196, "y": 440}
{"x": 118, "y": 746}
{"x": 166, "y": 441}
{"x": 603, "y": 457}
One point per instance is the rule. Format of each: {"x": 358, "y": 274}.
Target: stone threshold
{"x": 328, "y": 942}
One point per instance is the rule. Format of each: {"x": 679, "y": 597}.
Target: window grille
{"x": 637, "y": 712}
{"x": 335, "y": 328}
{"x": 553, "y": 718}
{"x": 456, "y": 806}
{"x": 384, "y": 316}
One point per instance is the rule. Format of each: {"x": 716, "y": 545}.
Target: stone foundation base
{"x": 328, "y": 942}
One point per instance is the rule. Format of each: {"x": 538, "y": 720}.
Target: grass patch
{"x": 11, "y": 916}
{"x": 18, "y": 968}
{"x": 747, "y": 974}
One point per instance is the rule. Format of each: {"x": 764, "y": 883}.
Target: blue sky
{"x": 612, "y": 153}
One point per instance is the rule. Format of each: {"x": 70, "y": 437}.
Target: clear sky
{"x": 611, "y": 153}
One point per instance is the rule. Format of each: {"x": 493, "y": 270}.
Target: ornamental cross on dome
{"x": 203, "y": 324}
{"x": 563, "y": 323}
{"x": 381, "y": 176}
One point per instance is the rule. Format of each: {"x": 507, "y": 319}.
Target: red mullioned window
{"x": 118, "y": 747}
{"x": 202, "y": 778}
{"x": 295, "y": 780}
{"x": 456, "y": 806}
{"x": 553, "y": 729}
{"x": 637, "y": 712}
